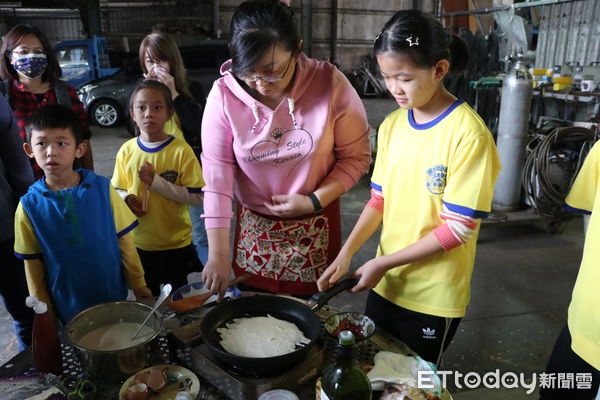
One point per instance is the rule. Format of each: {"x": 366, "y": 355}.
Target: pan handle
{"x": 318, "y": 300}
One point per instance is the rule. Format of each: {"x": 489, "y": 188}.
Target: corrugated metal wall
{"x": 138, "y": 19}
{"x": 56, "y": 25}
{"x": 358, "y": 22}
{"x": 569, "y": 32}
{"x": 126, "y": 24}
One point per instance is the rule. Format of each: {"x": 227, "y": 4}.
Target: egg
{"x": 138, "y": 392}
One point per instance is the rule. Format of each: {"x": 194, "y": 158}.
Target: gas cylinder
{"x": 515, "y": 105}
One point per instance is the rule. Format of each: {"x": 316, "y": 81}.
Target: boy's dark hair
{"x": 150, "y": 84}
{"x": 54, "y": 116}
{"x": 11, "y": 40}
{"x": 257, "y": 27}
{"x": 400, "y": 33}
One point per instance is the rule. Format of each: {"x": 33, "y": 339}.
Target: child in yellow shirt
{"x": 158, "y": 175}
{"x": 433, "y": 181}
{"x": 71, "y": 228}
{"x": 577, "y": 349}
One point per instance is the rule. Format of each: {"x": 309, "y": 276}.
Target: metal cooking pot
{"x": 285, "y": 308}
{"x": 112, "y": 366}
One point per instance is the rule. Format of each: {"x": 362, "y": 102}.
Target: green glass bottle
{"x": 343, "y": 379}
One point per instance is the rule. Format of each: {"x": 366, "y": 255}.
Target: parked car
{"x": 106, "y": 100}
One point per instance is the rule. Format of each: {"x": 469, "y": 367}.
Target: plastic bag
{"x": 35, "y": 386}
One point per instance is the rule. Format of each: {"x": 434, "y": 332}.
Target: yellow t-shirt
{"x": 584, "y": 318}
{"x": 167, "y": 224}
{"x": 173, "y": 127}
{"x": 451, "y": 160}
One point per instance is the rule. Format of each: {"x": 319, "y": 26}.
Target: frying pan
{"x": 285, "y": 308}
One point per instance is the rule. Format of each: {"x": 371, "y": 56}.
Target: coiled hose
{"x": 546, "y": 196}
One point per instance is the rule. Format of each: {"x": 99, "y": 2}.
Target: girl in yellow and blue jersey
{"x": 158, "y": 176}
{"x": 433, "y": 182}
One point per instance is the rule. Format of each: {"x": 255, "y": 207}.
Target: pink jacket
{"x": 254, "y": 152}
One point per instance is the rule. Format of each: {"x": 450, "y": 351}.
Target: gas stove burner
{"x": 244, "y": 387}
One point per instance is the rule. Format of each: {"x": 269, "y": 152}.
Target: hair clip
{"x": 377, "y": 37}
{"x": 410, "y": 41}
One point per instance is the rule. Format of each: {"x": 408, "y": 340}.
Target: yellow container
{"x": 540, "y": 71}
{"x": 560, "y": 86}
{"x": 566, "y": 80}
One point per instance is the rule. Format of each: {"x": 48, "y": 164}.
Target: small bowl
{"x": 359, "y": 324}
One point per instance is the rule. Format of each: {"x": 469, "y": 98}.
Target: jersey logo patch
{"x": 436, "y": 179}
{"x": 169, "y": 175}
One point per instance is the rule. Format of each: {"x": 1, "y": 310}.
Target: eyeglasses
{"x": 270, "y": 79}
{"x": 24, "y": 52}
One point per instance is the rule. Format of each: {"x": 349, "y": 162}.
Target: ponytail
{"x": 420, "y": 37}
{"x": 459, "y": 54}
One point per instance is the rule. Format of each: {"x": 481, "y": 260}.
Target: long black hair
{"x": 257, "y": 27}
{"x": 424, "y": 40}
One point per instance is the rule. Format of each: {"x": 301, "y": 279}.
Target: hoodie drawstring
{"x": 290, "y": 102}
{"x": 256, "y": 115}
{"x": 256, "y": 118}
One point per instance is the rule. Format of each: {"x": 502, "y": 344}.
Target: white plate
{"x": 193, "y": 289}
{"x": 185, "y": 380}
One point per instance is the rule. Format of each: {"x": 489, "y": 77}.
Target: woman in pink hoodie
{"x": 286, "y": 135}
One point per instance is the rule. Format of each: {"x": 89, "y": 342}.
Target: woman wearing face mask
{"x": 286, "y": 135}
{"x": 31, "y": 78}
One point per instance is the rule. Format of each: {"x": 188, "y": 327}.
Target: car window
{"x": 72, "y": 55}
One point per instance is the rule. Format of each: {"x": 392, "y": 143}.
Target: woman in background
{"x": 31, "y": 78}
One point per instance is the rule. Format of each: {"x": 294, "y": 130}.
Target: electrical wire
{"x": 545, "y": 195}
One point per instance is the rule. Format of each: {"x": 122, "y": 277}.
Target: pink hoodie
{"x": 248, "y": 149}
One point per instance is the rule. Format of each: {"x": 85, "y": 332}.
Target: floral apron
{"x": 286, "y": 255}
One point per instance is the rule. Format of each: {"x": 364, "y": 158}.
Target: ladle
{"x": 164, "y": 293}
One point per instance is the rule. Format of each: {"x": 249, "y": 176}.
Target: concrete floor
{"x": 521, "y": 286}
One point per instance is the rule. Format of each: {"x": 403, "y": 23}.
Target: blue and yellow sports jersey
{"x": 167, "y": 224}
{"x": 451, "y": 160}
{"x": 75, "y": 233}
{"x": 584, "y": 319}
